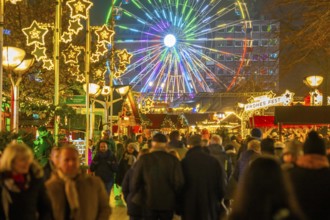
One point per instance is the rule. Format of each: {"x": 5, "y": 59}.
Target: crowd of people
{"x": 196, "y": 177}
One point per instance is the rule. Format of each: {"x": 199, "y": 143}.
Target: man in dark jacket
{"x": 157, "y": 180}
{"x": 218, "y": 152}
{"x": 204, "y": 186}
{"x": 105, "y": 165}
{"x": 311, "y": 179}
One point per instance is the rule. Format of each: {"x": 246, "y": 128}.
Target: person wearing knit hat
{"x": 291, "y": 152}
{"x": 311, "y": 178}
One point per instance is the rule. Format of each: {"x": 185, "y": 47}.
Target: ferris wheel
{"x": 183, "y": 46}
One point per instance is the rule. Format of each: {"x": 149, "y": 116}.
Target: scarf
{"x": 313, "y": 161}
{"x": 70, "y": 193}
{"x": 12, "y": 183}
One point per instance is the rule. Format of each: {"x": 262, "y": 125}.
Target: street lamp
{"x": 14, "y": 62}
{"x": 313, "y": 82}
{"x": 2, "y": 9}
{"x": 94, "y": 91}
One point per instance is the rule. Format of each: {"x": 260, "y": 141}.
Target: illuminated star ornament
{"x": 75, "y": 26}
{"x": 100, "y": 73}
{"x": 288, "y": 97}
{"x": 117, "y": 74}
{"x": 48, "y": 64}
{"x": 122, "y": 68}
{"x": 79, "y": 8}
{"x": 66, "y": 37}
{"x": 125, "y": 57}
{"x": 71, "y": 54}
{"x": 74, "y": 69}
{"x": 39, "y": 53}
{"x": 148, "y": 102}
{"x": 35, "y": 34}
{"x": 81, "y": 78}
{"x": 95, "y": 58}
{"x": 104, "y": 34}
{"x": 101, "y": 49}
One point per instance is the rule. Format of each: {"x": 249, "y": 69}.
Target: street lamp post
{"x": 14, "y": 62}
{"x": 313, "y": 82}
{"x": 2, "y": 10}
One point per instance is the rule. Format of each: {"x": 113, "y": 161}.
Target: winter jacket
{"x": 124, "y": 165}
{"x": 176, "y": 144}
{"x": 104, "y": 165}
{"x": 204, "y": 186}
{"x": 157, "y": 179}
{"x": 26, "y": 203}
{"x": 243, "y": 162}
{"x": 127, "y": 189}
{"x": 311, "y": 183}
{"x": 93, "y": 199}
{"x": 218, "y": 153}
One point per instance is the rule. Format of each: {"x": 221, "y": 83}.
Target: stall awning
{"x": 263, "y": 121}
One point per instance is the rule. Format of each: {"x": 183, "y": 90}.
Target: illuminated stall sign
{"x": 267, "y": 101}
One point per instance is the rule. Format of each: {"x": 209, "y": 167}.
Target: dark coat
{"x": 312, "y": 187}
{"x": 104, "y": 165}
{"x": 48, "y": 170}
{"x": 218, "y": 153}
{"x": 127, "y": 189}
{"x": 124, "y": 165}
{"x": 157, "y": 180}
{"x": 28, "y": 203}
{"x": 176, "y": 144}
{"x": 204, "y": 186}
{"x": 243, "y": 162}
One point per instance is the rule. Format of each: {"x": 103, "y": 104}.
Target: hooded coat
{"x": 204, "y": 186}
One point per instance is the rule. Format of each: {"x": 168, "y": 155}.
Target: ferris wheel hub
{"x": 170, "y": 40}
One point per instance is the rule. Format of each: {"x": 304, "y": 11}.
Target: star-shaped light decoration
{"x": 48, "y": 64}
{"x": 66, "y": 37}
{"x": 317, "y": 97}
{"x": 81, "y": 78}
{"x": 95, "y": 57}
{"x": 117, "y": 74}
{"x": 145, "y": 110}
{"x": 124, "y": 56}
{"x": 104, "y": 34}
{"x": 71, "y": 54}
{"x": 148, "y": 102}
{"x": 101, "y": 49}
{"x": 288, "y": 97}
{"x": 39, "y": 53}
{"x": 75, "y": 26}
{"x": 35, "y": 34}
{"x": 74, "y": 69}
{"x": 79, "y": 8}
{"x": 100, "y": 73}
{"x": 122, "y": 68}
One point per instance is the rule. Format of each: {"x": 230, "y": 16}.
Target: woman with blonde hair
{"x": 22, "y": 191}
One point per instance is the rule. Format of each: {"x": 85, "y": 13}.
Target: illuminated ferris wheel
{"x": 183, "y": 46}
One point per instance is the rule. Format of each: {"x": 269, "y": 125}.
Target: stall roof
{"x": 194, "y": 118}
{"x": 302, "y": 114}
{"x": 157, "y": 120}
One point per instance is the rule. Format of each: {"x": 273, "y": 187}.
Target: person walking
{"x": 264, "y": 193}
{"x": 22, "y": 190}
{"x": 204, "y": 187}
{"x": 218, "y": 152}
{"x": 134, "y": 211}
{"x": 311, "y": 178}
{"x": 50, "y": 166}
{"x": 176, "y": 144}
{"x": 74, "y": 195}
{"x": 157, "y": 180}
{"x": 253, "y": 151}
{"x": 104, "y": 165}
